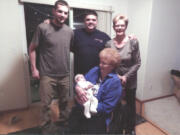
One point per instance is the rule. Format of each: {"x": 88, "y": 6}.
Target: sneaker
{"x": 133, "y": 133}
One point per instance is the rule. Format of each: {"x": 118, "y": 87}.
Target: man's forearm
{"x": 33, "y": 61}
{"x": 32, "y": 56}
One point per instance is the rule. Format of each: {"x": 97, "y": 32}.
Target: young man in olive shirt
{"x": 54, "y": 41}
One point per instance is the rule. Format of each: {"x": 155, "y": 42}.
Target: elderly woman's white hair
{"x": 111, "y": 55}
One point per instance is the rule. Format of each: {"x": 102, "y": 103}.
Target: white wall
{"x": 156, "y": 25}
{"x": 139, "y": 14}
{"x": 14, "y": 75}
{"x": 163, "y": 48}
{"x": 118, "y": 6}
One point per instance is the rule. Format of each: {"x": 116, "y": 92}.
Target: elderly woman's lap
{"x": 78, "y": 123}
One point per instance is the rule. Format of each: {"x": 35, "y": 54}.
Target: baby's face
{"x": 81, "y": 78}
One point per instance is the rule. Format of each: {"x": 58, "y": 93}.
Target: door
{"x": 14, "y": 83}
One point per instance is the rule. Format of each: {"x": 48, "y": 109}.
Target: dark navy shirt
{"x": 109, "y": 93}
{"x": 86, "y": 49}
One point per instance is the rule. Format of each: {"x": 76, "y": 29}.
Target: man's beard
{"x": 60, "y": 21}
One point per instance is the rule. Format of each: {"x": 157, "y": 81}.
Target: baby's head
{"x": 79, "y": 77}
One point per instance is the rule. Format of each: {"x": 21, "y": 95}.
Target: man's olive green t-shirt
{"x": 54, "y": 49}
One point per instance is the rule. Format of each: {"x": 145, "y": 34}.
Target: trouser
{"x": 124, "y": 114}
{"x": 79, "y": 124}
{"x": 52, "y": 88}
{"x": 130, "y": 98}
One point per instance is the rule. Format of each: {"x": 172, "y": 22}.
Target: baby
{"x": 90, "y": 106}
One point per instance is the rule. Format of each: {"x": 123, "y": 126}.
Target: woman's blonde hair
{"x": 120, "y": 17}
{"x": 111, "y": 55}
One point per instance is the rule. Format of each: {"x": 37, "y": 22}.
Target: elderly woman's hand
{"x": 123, "y": 79}
{"x": 81, "y": 95}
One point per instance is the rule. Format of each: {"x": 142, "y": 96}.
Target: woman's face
{"x": 120, "y": 27}
{"x": 105, "y": 66}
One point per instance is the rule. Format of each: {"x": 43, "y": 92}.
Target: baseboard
{"x": 140, "y": 103}
{"x": 156, "y": 126}
{"x": 140, "y": 110}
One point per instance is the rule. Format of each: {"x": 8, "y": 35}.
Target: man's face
{"x": 90, "y": 22}
{"x": 61, "y": 14}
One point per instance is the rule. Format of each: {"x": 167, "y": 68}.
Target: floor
{"x": 19, "y": 120}
{"x": 167, "y": 116}
{"x": 15, "y": 121}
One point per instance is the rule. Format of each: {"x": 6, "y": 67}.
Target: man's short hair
{"x": 61, "y": 2}
{"x": 90, "y": 12}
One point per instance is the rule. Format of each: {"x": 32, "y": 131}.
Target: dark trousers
{"x": 124, "y": 114}
{"x": 79, "y": 124}
{"x": 130, "y": 98}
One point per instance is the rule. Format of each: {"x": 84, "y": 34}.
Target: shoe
{"x": 61, "y": 123}
{"x": 133, "y": 132}
{"x": 127, "y": 132}
{"x": 49, "y": 129}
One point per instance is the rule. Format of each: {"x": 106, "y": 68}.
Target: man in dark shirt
{"x": 88, "y": 42}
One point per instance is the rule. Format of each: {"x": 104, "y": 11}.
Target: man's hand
{"x": 35, "y": 74}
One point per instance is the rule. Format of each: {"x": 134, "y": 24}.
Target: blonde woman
{"x": 128, "y": 49}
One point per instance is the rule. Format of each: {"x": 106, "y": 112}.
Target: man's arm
{"x": 32, "y": 55}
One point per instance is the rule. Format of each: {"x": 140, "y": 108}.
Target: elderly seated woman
{"x": 108, "y": 95}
